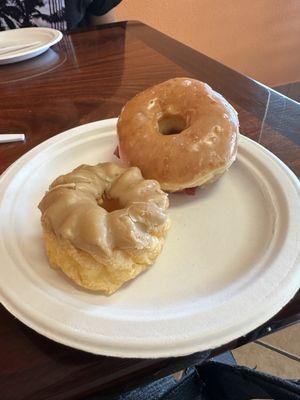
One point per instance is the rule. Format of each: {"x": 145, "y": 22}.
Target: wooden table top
{"x": 87, "y": 77}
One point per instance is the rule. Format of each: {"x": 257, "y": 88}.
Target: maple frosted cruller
{"x": 100, "y": 249}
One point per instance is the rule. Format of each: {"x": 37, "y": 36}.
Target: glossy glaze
{"x": 87, "y": 77}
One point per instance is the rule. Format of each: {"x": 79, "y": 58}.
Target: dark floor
{"x": 281, "y": 358}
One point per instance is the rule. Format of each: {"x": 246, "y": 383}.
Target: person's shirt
{"x": 58, "y": 14}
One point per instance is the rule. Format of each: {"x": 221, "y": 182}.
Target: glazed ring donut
{"x": 180, "y": 132}
{"x": 98, "y": 249}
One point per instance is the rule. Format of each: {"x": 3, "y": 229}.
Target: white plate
{"x": 230, "y": 262}
{"x": 46, "y": 37}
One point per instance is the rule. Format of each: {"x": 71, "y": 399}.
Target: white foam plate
{"x": 44, "y": 37}
{"x": 230, "y": 261}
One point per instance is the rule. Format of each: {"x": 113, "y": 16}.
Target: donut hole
{"x": 170, "y": 124}
{"x": 110, "y": 204}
